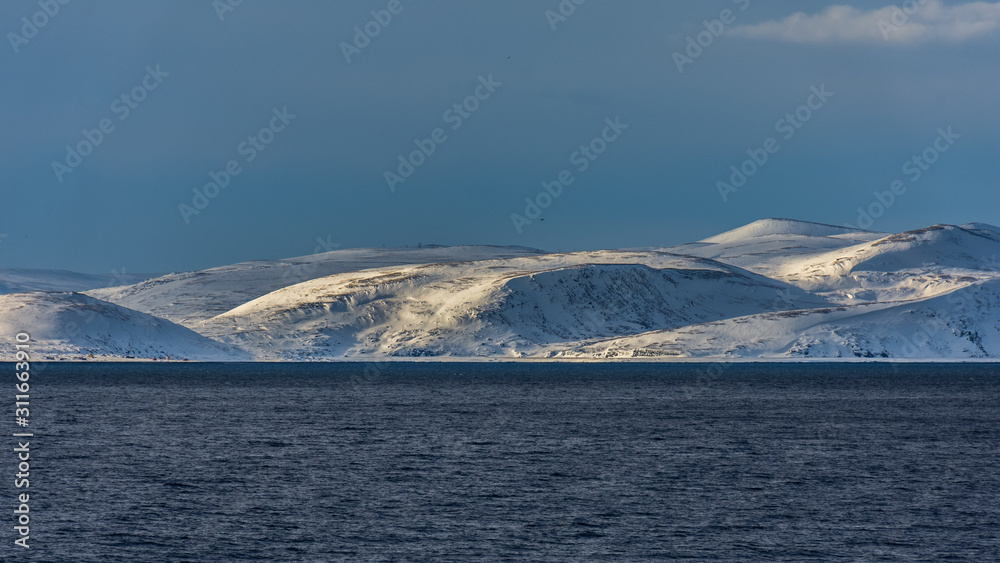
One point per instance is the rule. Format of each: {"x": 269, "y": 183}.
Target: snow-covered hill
{"x": 910, "y": 265}
{"x": 19, "y": 280}
{"x": 767, "y": 246}
{"x": 510, "y": 308}
{"x": 961, "y": 324}
{"x": 859, "y": 267}
{"x": 937, "y": 248}
{"x": 189, "y": 297}
{"x": 779, "y": 227}
{"x": 776, "y": 288}
{"x": 73, "y": 325}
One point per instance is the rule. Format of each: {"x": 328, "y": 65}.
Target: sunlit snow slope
{"x": 189, "y": 297}
{"x": 512, "y": 307}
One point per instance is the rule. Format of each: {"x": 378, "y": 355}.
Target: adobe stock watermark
{"x": 563, "y": 11}
{"x": 119, "y": 278}
{"x": 899, "y": 18}
{"x": 582, "y": 158}
{"x": 364, "y": 34}
{"x": 225, "y": 7}
{"x": 249, "y": 150}
{"x": 913, "y": 169}
{"x": 713, "y": 373}
{"x": 22, "y": 453}
{"x": 696, "y": 44}
{"x": 370, "y": 375}
{"x": 304, "y": 271}
{"x": 456, "y": 116}
{"x": 31, "y": 25}
{"x": 122, "y": 106}
{"x": 786, "y": 127}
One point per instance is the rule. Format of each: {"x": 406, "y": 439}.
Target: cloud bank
{"x": 912, "y": 22}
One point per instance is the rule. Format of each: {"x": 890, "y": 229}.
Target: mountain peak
{"x": 980, "y": 227}
{"x": 779, "y": 226}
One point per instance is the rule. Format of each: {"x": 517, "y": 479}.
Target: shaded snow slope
{"x": 67, "y": 325}
{"x": 18, "y": 280}
{"x": 961, "y": 324}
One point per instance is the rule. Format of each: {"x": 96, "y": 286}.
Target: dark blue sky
{"x": 266, "y": 90}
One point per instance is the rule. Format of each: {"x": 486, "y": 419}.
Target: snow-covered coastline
{"x": 774, "y": 290}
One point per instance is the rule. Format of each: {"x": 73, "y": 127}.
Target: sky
{"x": 172, "y": 135}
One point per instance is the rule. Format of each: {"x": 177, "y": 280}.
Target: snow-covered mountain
{"x": 512, "y": 307}
{"x": 20, "y": 280}
{"x": 859, "y": 267}
{"x": 766, "y": 246}
{"x": 72, "y": 325}
{"x": 962, "y": 324}
{"x": 776, "y": 288}
{"x": 195, "y": 296}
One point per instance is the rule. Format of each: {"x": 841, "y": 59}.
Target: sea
{"x": 150, "y": 462}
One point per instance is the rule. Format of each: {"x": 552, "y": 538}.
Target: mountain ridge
{"x": 772, "y": 289}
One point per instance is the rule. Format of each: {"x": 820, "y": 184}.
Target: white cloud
{"x": 911, "y": 22}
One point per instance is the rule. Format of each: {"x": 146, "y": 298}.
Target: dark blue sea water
{"x": 488, "y": 462}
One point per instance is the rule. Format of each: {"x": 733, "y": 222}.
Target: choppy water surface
{"x": 458, "y": 462}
